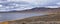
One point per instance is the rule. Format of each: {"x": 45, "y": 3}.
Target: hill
{"x": 38, "y": 19}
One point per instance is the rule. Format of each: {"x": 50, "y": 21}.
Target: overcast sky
{"x": 41, "y": 2}
{"x": 26, "y": 4}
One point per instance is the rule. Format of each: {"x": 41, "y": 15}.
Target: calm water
{"x": 16, "y": 16}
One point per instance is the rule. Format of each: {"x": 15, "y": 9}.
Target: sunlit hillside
{"x": 37, "y": 19}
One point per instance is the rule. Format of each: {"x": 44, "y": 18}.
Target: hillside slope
{"x": 46, "y": 18}
{"x": 52, "y": 17}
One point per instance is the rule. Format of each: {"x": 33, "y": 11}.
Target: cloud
{"x": 41, "y": 2}
{"x": 25, "y": 4}
{"x": 38, "y": 2}
{"x": 58, "y": 3}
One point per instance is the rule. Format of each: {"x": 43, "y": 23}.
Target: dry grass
{"x": 38, "y": 19}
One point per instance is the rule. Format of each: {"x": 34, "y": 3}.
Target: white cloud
{"x": 38, "y": 2}
{"x": 0, "y": 5}
{"x": 58, "y": 3}
{"x": 52, "y": 6}
{"x": 35, "y": 3}
{"x": 41, "y": 2}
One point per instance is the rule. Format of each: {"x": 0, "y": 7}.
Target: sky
{"x": 42, "y": 2}
{"x": 8, "y": 5}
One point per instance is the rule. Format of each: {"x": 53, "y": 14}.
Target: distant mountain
{"x": 37, "y": 9}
